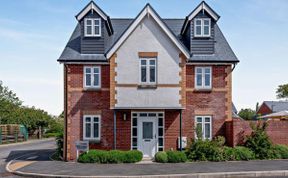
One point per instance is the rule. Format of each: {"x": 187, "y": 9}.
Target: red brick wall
{"x": 277, "y": 130}
{"x": 206, "y": 102}
{"x": 123, "y": 135}
{"x": 264, "y": 109}
{"x": 82, "y": 102}
{"x": 171, "y": 129}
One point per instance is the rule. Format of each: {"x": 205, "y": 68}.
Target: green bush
{"x": 59, "y": 143}
{"x": 280, "y": 151}
{"x": 133, "y": 156}
{"x": 204, "y": 150}
{"x": 176, "y": 156}
{"x": 49, "y": 135}
{"x": 161, "y": 157}
{"x": 259, "y": 142}
{"x": 237, "y": 154}
{"x": 113, "y": 156}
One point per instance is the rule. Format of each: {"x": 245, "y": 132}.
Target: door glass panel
{"x": 160, "y": 141}
{"x": 147, "y": 130}
{"x": 134, "y": 142}
{"x": 135, "y": 122}
{"x": 160, "y": 132}
{"x": 160, "y": 122}
{"x": 135, "y": 132}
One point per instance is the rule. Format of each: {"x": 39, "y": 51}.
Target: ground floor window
{"x": 91, "y": 127}
{"x": 203, "y": 126}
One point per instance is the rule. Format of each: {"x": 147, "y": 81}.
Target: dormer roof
{"x": 203, "y": 6}
{"x": 93, "y": 7}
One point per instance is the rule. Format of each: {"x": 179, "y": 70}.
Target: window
{"x": 202, "y": 27}
{"x": 92, "y": 77}
{"x": 91, "y": 127}
{"x": 203, "y": 77}
{"x": 92, "y": 27}
{"x": 204, "y": 124}
{"x": 148, "y": 71}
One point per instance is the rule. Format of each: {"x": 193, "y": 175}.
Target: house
{"x": 268, "y": 107}
{"x": 145, "y": 83}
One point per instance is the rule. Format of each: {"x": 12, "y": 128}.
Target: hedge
{"x": 170, "y": 157}
{"x": 161, "y": 157}
{"x": 113, "y": 156}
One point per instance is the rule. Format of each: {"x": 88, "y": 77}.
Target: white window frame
{"x": 203, "y": 86}
{"x": 93, "y": 25}
{"x": 92, "y": 127}
{"x": 203, "y": 126}
{"x": 92, "y": 77}
{"x": 147, "y": 71}
{"x": 202, "y": 27}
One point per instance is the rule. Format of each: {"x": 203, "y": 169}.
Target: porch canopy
{"x": 277, "y": 115}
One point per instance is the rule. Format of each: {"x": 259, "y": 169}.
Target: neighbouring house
{"x": 146, "y": 83}
{"x": 268, "y": 107}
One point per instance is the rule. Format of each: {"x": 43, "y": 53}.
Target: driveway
{"x": 10, "y": 152}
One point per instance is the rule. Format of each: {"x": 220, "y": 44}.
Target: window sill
{"x": 92, "y": 89}
{"x": 147, "y": 86}
{"x": 92, "y": 36}
{"x": 202, "y": 37}
{"x": 92, "y": 140}
{"x": 203, "y": 90}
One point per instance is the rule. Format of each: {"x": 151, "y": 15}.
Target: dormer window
{"x": 202, "y": 27}
{"x": 92, "y": 27}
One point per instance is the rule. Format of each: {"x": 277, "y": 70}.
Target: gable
{"x": 201, "y": 7}
{"x": 150, "y": 12}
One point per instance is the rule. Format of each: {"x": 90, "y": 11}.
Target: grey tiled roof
{"x": 72, "y": 51}
{"x": 234, "y": 109}
{"x": 277, "y": 106}
{"x": 223, "y": 51}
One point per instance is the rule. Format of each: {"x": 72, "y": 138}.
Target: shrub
{"x": 161, "y": 157}
{"x": 219, "y": 141}
{"x": 133, "y": 156}
{"x": 176, "y": 156}
{"x": 280, "y": 151}
{"x": 60, "y": 143}
{"x": 49, "y": 135}
{"x": 204, "y": 150}
{"x": 113, "y": 156}
{"x": 237, "y": 154}
{"x": 259, "y": 142}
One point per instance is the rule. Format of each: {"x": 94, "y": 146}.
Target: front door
{"x": 147, "y": 132}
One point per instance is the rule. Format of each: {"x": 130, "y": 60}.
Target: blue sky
{"x": 33, "y": 34}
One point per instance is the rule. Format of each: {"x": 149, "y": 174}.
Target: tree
{"x": 13, "y": 112}
{"x": 247, "y": 114}
{"x": 282, "y": 91}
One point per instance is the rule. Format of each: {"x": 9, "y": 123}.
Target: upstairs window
{"x": 202, "y": 27}
{"x": 203, "y": 77}
{"x": 92, "y": 27}
{"x": 148, "y": 71}
{"x": 92, "y": 77}
{"x": 91, "y": 127}
{"x": 203, "y": 125}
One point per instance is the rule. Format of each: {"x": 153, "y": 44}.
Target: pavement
{"x": 39, "y": 165}
{"x": 11, "y": 151}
